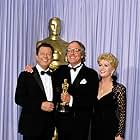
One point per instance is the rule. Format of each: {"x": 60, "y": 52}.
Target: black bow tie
{"x": 75, "y": 67}
{"x": 45, "y": 72}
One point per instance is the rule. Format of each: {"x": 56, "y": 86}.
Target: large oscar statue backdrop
{"x": 55, "y": 40}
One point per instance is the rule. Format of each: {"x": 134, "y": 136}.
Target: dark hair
{"x": 82, "y": 47}
{"x": 44, "y": 45}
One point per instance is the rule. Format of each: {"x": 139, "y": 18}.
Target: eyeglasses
{"x": 76, "y": 50}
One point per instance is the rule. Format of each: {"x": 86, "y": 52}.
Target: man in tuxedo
{"x": 34, "y": 93}
{"x": 80, "y": 96}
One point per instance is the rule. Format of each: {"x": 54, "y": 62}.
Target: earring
{"x": 112, "y": 73}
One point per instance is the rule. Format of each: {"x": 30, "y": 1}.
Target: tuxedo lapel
{"x": 69, "y": 77}
{"x": 38, "y": 79}
{"x": 67, "y": 74}
{"x": 79, "y": 76}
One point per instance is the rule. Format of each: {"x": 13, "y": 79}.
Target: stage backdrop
{"x": 102, "y": 25}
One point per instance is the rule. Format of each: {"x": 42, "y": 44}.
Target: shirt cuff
{"x": 71, "y": 101}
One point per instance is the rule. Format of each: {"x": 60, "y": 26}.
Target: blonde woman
{"x": 110, "y": 109}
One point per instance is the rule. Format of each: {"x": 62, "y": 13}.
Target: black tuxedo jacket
{"x": 84, "y": 90}
{"x": 29, "y": 95}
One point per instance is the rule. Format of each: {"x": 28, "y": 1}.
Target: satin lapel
{"x": 79, "y": 77}
{"x": 68, "y": 75}
{"x": 37, "y": 78}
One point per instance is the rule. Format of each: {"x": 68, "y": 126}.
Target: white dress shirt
{"x": 47, "y": 83}
{"x": 73, "y": 74}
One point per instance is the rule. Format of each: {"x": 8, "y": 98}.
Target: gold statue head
{"x": 54, "y": 26}
{"x": 55, "y": 40}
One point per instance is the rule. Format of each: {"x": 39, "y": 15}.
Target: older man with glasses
{"x": 75, "y": 107}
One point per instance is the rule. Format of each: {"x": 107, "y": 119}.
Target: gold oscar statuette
{"x": 64, "y": 107}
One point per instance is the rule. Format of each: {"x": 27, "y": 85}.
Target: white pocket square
{"x": 83, "y": 81}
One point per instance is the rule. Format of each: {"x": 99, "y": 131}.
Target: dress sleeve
{"x": 121, "y": 110}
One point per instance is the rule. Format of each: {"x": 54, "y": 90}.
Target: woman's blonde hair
{"x": 110, "y": 58}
